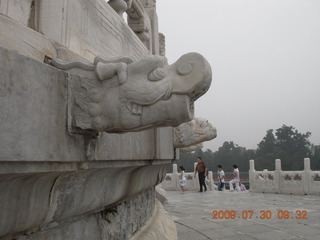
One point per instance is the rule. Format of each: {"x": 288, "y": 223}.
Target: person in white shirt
{"x": 183, "y": 180}
{"x": 236, "y": 179}
{"x": 220, "y": 178}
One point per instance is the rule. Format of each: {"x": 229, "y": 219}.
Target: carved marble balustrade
{"x": 288, "y": 182}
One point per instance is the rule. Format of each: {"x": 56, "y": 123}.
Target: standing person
{"x": 236, "y": 179}
{"x": 220, "y": 178}
{"x": 183, "y": 180}
{"x": 202, "y": 170}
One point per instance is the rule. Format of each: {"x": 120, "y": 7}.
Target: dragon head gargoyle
{"x": 123, "y": 95}
{"x": 194, "y": 132}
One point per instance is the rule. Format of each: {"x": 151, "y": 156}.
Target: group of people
{"x": 202, "y": 171}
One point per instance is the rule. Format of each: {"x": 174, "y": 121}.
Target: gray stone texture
{"x": 89, "y": 28}
{"x": 129, "y": 216}
{"x": 32, "y": 200}
{"x": 116, "y": 223}
{"x": 27, "y": 42}
{"x": 33, "y": 109}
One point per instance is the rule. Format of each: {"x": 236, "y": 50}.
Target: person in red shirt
{"x": 202, "y": 170}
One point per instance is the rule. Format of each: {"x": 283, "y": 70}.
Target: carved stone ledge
{"x": 122, "y": 95}
{"x": 47, "y": 199}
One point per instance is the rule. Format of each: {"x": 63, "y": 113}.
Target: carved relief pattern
{"x": 292, "y": 176}
{"x": 139, "y": 21}
{"x": 316, "y": 177}
{"x": 162, "y": 44}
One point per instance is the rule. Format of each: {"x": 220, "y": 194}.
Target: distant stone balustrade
{"x": 171, "y": 181}
{"x": 287, "y": 182}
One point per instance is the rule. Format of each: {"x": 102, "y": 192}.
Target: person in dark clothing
{"x": 202, "y": 170}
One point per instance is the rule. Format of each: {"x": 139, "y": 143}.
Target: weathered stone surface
{"x": 194, "y": 132}
{"x": 122, "y": 221}
{"x": 24, "y": 200}
{"x": 83, "y": 228}
{"x": 33, "y": 105}
{"x": 106, "y": 146}
{"x": 159, "y": 226}
{"x": 19, "y": 10}
{"x": 32, "y": 200}
{"x": 89, "y": 28}
{"x": 24, "y": 40}
{"x": 116, "y": 223}
{"x": 161, "y": 194}
{"x": 129, "y": 95}
{"x": 149, "y": 144}
{"x": 164, "y": 137}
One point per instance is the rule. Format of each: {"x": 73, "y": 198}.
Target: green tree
{"x": 265, "y": 155}
{"x": 267, "y": 145}
{"x": 287, "y": 144}
{"x": 229, "y": 154}
{"x": 292, "y": 147}
{"x": 315, "y": 159}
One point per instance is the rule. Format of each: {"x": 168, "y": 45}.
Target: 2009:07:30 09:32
{"x": 263, "y": 214}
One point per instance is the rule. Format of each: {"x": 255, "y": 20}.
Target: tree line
{"x": 285, "y": 143}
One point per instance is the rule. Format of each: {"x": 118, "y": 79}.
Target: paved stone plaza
{"x": 192, "y": 213}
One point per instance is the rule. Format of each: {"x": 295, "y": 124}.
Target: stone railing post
{"x": 211, "y": 182}
{"x": 307, "y": 176}
{"x": 251, "y": 174}
{"x": 175, "y": 168}
{"x": 277, "y": 173}
{"x": 175, "y": 177}
{"x": 196, "y": 179}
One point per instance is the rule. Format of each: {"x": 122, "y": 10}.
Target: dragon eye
{"x": 184, "y": 69}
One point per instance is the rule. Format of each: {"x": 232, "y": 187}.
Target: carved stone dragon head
{"x": 122, "y": 95}
{"x": 194, "y": 132}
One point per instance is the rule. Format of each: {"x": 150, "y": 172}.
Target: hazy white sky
{"x": 265, "y": 57}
